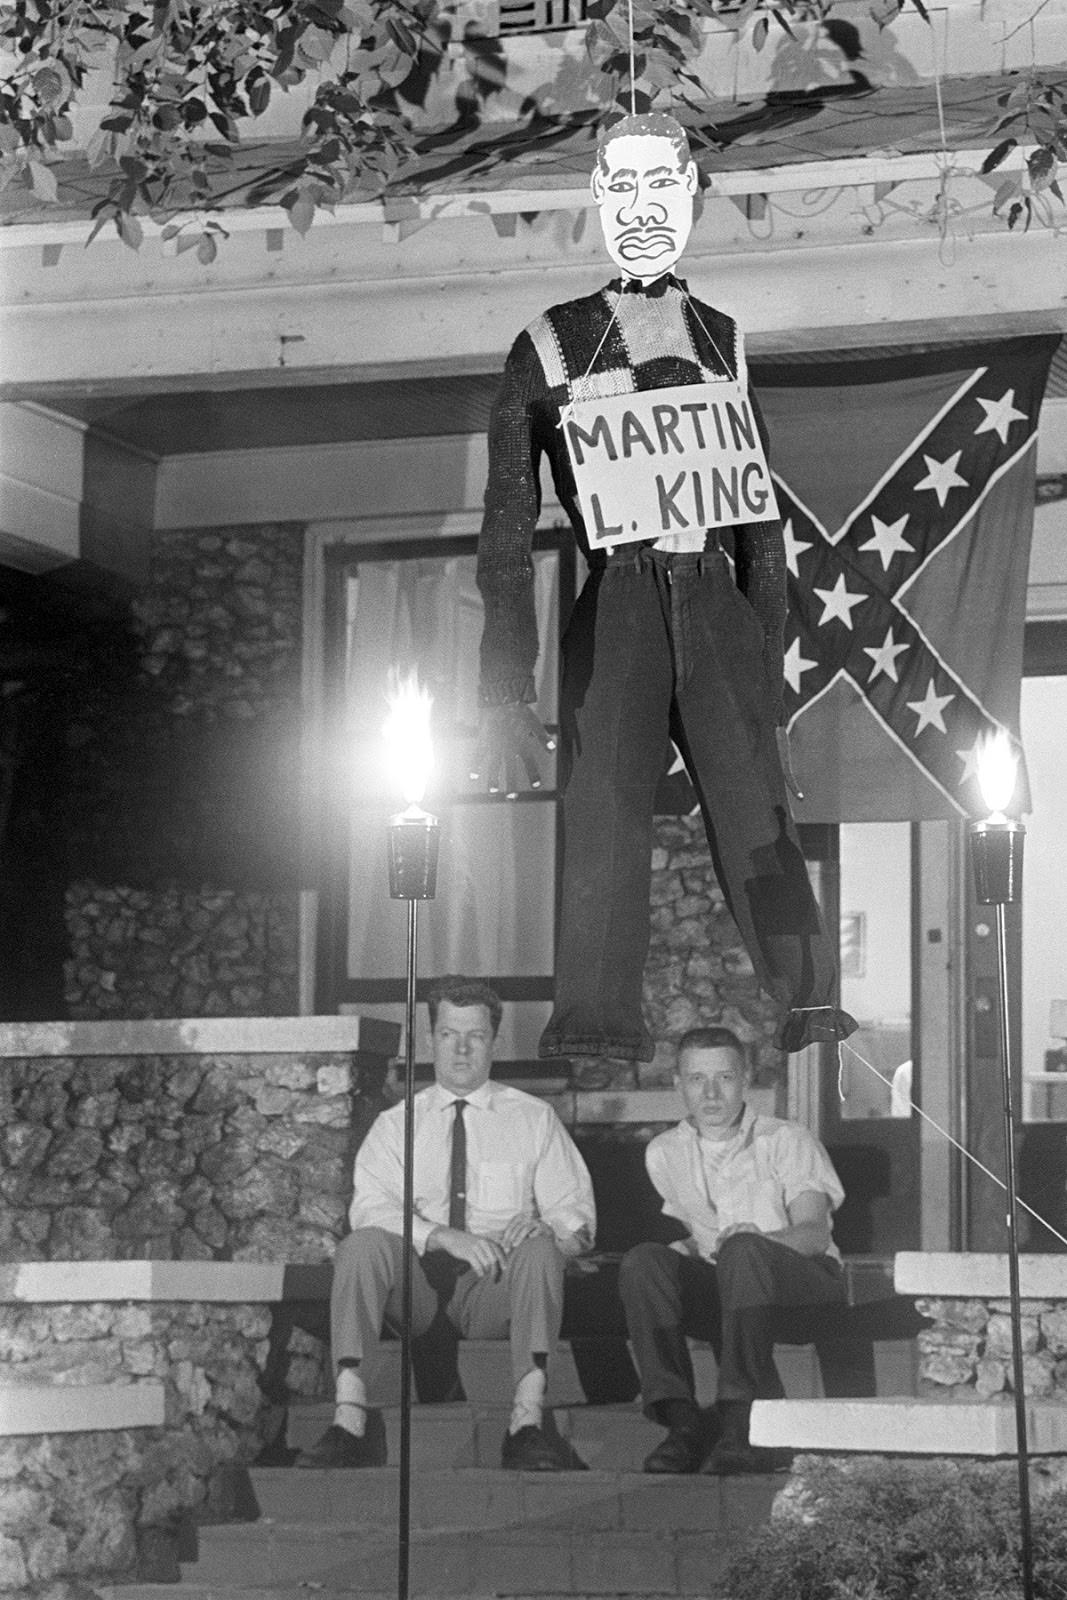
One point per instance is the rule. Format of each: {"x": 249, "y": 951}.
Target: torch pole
{"x": 1018, "y": 1379}
{"x": 413, "y": 848}
{"x": 997, "y": 858}
{"x": 404, "y": 1520}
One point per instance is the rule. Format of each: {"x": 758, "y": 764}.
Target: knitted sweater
{"x": 612, "y": 342}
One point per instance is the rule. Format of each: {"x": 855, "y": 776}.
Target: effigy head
{"x": 643, "y": 182}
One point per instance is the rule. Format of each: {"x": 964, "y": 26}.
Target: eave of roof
{"x": 546, "y": 159}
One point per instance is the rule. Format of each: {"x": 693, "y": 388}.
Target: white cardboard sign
{"x": 661, "y": 461}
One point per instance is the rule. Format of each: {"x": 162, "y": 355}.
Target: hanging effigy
{"x": 639, "y": 398}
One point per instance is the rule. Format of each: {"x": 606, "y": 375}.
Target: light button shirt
{"x": 754, "y": 1177}
{"x": 520, "y": 1159}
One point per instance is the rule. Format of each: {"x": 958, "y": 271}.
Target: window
{"x": 876, "y": 967}
{"x": 1044, "y": 962}
{"x": 397, "y": 608}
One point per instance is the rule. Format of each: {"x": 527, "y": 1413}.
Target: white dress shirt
{"x": 520, "y": 1159}
{"x": 753, "y": 1177}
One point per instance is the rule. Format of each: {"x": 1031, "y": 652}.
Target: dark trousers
{"x": 757, "y": 1292}
{"x": 663, "y": 647}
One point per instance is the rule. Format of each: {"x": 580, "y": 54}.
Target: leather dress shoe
{"x": 529, "y": 1451}
{"x": 681, "y": 1450}
{"x": 339, "y": 1448}
{"x": 731, "y": 1460}
{"x": 814, "y": 1025}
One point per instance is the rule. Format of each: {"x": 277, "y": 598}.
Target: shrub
{"x": 873, "y": 1528}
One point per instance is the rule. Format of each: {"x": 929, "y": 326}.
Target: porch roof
{"x": 544, "y": 161}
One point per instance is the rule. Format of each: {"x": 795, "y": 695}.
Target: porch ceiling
{"x": 181, "y": 423}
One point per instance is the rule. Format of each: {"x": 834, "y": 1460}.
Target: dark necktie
{"x": 457, "y": 1175}
{"x": 442, "y": 1270}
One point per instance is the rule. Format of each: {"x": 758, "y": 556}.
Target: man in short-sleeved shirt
{"x": 755, "y": 1195}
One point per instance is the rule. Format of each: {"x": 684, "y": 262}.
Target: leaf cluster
{"x": 189, "y": 74}
{"x": 883, "y": 1529}
{"x": 192, "y": 76}
{"x": 1036, "y": 109}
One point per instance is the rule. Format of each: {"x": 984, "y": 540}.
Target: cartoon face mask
{"x": 645, "y": 197}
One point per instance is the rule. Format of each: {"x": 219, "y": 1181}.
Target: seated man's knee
{"x": 641, "y": 1262}
{"x": 541, "y": 1253}
{"x": 740, "y": 1248}
{"x": 364, "y": 1247}
{"x": 745, "y": 1265}
{"x": 745, "y": 1243}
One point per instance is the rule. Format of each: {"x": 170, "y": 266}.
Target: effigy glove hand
{"x": 781, "y": 738}
{"x": 512, "y": 739}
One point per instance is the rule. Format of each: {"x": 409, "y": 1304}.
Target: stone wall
{"x": 184, "y": 824}
{"x": 106, "y": 1505}
{"x": 698, "y": 971}
{"x": 967, "y": 1353}
{"x": 180, "y": 953}
{"x": 223, "y": 1157}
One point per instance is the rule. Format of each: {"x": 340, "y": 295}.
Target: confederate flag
{"x": 906, "y": 489}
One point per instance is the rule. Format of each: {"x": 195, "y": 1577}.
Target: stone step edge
{"x": 248, "y": 1282}
{"x": 216, "y": 1591}
{"x": 901, "y": 1425}
{"x": 215, "y": 1534}
{"x": 80, "y": 1408}
{"x": 326, "y": 1034}
{"x": 590, "y": 1478}
{"x": 975, "y": 1275}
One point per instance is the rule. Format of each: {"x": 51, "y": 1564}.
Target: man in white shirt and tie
{"x": 502, "y": 1199}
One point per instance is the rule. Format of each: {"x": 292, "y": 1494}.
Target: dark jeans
{"x": 756, "y": 1293}
{"x": 662, "y": 647}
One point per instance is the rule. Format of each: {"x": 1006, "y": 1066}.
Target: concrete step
{"x": 478, "y": 1498}
{"x": 463, "y": 1435}
{"x": 210, "y": 1591}
{"x": 909, "y": 1426}
{"x": 486, "y": 1532}
{"x": 485, "y": 1370}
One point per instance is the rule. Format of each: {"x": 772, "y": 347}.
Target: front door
{"x": 869, "y": 1084}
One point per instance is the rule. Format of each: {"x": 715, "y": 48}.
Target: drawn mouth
{"x": 645, "y": 244}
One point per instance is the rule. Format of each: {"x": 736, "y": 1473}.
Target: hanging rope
{"x": 630, "y": 26}
{"x": 941, "y": 211}
{"x": 973, "y": 1159}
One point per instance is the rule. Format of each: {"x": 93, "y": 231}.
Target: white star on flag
{"x": 941, "y": 477}
{"x": 929, "y": 709}
{"x": 885, "y": 657}
{"x": 838, "y": 603}
{"x": 888, "y": 539}
{"x": 999, "y": 415}
{"x": 796, "y": 665}
{"x": 793, "y": 547}
{"x": 970, "y": 761}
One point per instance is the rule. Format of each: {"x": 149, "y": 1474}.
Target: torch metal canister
{"x": 414, "y": 838}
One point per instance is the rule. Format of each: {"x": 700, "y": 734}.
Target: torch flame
{"x": 407, "y": 737}
{"x": 998, "y": 765}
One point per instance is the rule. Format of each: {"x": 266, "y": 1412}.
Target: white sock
{"x": 529, "y": 1401}
{"x": 350, "y": 1412}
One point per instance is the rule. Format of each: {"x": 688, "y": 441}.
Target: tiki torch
{"x": 413, "y": 843}
{"x": 997, "y": 857}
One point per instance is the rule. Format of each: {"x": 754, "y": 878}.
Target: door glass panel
{"x": 1044, "y": 962}
{"x": 876, "y": 986}
{"x": 493, "y": 913}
